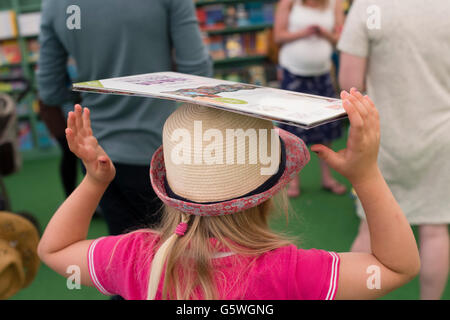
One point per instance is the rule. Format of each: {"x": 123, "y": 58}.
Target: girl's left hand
{"x": 84, "y": 145}
{"x": 358, "y": 161}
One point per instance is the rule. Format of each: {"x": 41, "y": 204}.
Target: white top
{"x": 310, "y": 56}
{"x": 408, "y": 51}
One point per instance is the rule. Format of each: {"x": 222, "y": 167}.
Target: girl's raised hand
{"x": 84, "y": 145}
{"x": 358, "y": 161}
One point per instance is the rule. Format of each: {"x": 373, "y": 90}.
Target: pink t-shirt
{"x": 121, "y": 264}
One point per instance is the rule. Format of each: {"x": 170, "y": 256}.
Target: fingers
{"x": 354, "y": 116}
{"x": 79, "y": 121}
{"x": 367, "y": 110}
{"x": 71, "y": 140}
{"x": 75, "y": 145}
{"x": 78, "y": 118}
{"x": 361, "y": 109}
{"x": 87, "y": 121}
{"x": 329, "y": 156}
{"x": 78, "y": 129}
{"x": 357, "y": 98}
{"x": 71, "y": 121}
{"x": 374, "y": 118}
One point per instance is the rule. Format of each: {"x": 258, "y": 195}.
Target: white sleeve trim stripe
{"x": 333, "y": 277}
{"x": 92, "y": 269}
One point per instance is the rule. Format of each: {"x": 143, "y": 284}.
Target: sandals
{"x": 335, "y": 188}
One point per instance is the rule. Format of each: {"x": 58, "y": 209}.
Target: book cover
{"x": 216, "y": 47}
{"x": 33, "y": 50}
{"x": 288, "y": 107}
{"x": 24, "y": 136}
{"x": 10, "y": 52}
{"x": 29, "y": 23}
{"x": 233, "y": 46}
{"x": 8, "y": 27}
{"x": 262, "y": 41}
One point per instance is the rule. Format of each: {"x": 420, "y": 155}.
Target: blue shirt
{"x": 119, "y": 38}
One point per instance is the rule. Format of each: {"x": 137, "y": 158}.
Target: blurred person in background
{"x": 114, "y": 38}
{"x": 308, "y": 31}
{"x": 399, "y": 51}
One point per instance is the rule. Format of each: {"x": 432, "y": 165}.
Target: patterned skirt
{"x": 318, "y": 85}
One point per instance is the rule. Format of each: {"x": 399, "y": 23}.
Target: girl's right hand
{"x": 99, "y": 168}
{"x": 358, "y": 161}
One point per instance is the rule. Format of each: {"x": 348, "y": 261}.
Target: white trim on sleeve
{"x": 92, "y": 273}
{"x": 334, "y": 276}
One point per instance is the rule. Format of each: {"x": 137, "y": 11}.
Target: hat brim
{"x": 297, "y": 156}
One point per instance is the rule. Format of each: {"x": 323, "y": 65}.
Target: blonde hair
{"x": 245, "y": 233}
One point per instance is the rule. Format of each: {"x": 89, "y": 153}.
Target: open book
{"x": 288, "y": 107}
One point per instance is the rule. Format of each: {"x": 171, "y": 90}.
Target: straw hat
{"x": 19, "y": 261}
{"x": 216, "y": 162}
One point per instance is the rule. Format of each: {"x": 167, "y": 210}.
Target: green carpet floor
{"x": 320, "y": 219}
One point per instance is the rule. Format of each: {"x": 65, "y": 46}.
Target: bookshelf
{"x": 200, "y": 3}
{"x": 240, "y": 61}
{"x": 18, "y": 61}
{"x": 242, "y": 29}
{"x": 238, "y": 34}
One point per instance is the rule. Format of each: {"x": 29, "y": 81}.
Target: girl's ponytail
{"x": 160, "y": 257}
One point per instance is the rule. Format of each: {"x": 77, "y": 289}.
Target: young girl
{"x": 215, "y": 242}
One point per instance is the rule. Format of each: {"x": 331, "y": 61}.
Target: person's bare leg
{"x": 362, "y": 240}
{"x": 294, "y": 187}
{"x": 434, "y": 255}
{"x": 328, "y": 181}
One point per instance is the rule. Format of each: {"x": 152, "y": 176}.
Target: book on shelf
{"x": 242, "y": 15}
{"x": 10, "y": 72}
{"x": 12, "y": 86}
{"x": 29, "y": 23}
{"x": 8, "y": 28}
{"x": 33, "y": 50}
{"x": 288, "y": 107}
{"x": 230, "y": 16}
{"x": 25, "y": 136}
{"x": 262, "y": 43}
{"x": 211, "y": 17}
{"x": 221, "y": 16}
{"x": 10, "y": 52}
{"x": 215, "y": 45}
{"x": 253, "y": 74}
{"x": 257, "y": 75}
{"x": 234, "y": 46}
{"x": 269, "y": 12}
{"x": 238, "y": 45}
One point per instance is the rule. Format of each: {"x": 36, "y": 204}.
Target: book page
{"x": 268, "y": 103}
